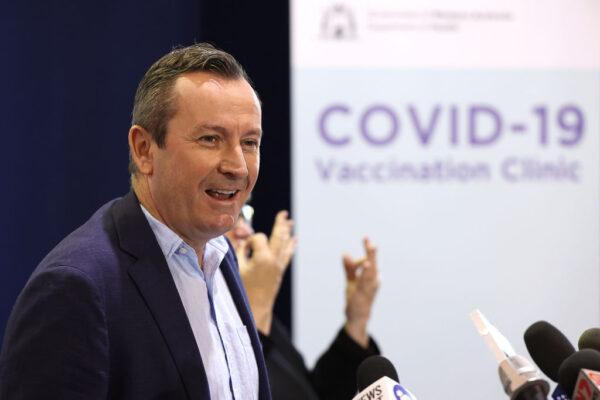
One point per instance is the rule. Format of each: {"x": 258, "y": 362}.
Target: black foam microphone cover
{"x": 548, "y": 347}
{"x": 590, "y": 339}
{"x": 372, "y": 369}
{"x": 569, "y": 369}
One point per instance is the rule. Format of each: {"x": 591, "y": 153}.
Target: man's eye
{"x": 251, "y": 143}
{"x": 208, "y": 139}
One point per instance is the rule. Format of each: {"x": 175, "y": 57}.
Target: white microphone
{"x": 377, "y": 379}
{"x": 384, "y": 389}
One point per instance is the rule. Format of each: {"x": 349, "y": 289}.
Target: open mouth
{"x": 221, "y": 194}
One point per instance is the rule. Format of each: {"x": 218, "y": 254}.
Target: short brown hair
{"x": 153, "y": 106}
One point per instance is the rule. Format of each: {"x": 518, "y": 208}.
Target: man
{"x": 262, "y": 269}
{"x": 144, "y": 300}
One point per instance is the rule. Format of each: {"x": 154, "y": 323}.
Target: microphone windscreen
{"x": 569, "y": 369}
{"x": 548, "y": 347}
{"x": 372, "y": 369}
{"x": 590, "y": 339}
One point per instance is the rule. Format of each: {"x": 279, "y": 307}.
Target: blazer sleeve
{"x": 56, "y": 341}
{"x": 334, "y": 375}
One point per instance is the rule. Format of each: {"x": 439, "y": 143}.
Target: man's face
{"x": 203, "y": 175}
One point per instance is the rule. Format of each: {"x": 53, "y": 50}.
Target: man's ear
{"x": 141, "y": 147}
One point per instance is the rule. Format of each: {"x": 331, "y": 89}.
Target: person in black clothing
{"x": 263, "y": 262}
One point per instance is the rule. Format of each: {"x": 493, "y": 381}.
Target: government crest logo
{"x": 338, "y": 23}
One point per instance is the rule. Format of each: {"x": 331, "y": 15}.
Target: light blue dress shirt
{"x": 222, "y": 338}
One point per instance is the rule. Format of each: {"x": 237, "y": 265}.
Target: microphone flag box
{"x": 384, "y": 389}
{"x": 587, "y": 386}
{"x": 560, "y": 394}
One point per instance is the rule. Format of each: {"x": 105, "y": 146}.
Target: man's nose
{"x": 233, "y": 163}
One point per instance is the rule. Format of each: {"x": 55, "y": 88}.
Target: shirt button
{"x": 182, "y": 250}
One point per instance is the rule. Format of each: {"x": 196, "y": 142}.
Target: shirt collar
{"x": 170, "y": 242}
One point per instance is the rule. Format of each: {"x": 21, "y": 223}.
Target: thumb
{"x": 349, "y": 267}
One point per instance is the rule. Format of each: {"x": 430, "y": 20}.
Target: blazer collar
{"x": 151, "y": 275}
{"x": 153, "y": 279}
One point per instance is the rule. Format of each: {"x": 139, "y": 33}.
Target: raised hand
{"x": 262, "y": 264}
{"x": 362, "y": 283}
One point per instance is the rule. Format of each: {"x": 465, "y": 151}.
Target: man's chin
{"x": 222, "y": 224}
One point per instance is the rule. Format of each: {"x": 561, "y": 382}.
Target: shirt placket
{"x": 225, "y": 344}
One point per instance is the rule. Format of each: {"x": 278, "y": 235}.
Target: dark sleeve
{"x": 266, "y": 343}
{"x": 56, "y": 342}
{"x": 334, "y": 375}
{"x": 288, "y": 376}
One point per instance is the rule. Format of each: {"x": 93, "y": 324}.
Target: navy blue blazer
{"x": 101, "y": 318}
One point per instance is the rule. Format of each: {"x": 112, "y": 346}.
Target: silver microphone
{"x": 519, "y": 378}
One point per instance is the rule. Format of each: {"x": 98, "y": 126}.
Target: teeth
{"x": 221, "y": 194}
{"x": 227, "y": 192}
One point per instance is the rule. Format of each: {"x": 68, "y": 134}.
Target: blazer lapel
{"x": 154, "y": 281}
{"x": 230, "y": 273}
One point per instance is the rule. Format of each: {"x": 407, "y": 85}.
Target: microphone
{"x": 570, "y": 368}
{"x": 590, "y": 339}
{"x": 587, "y": 386}
{"x": 549, "y": 348}
{"x": 373, "y": 368}
{"x": 519, "y": 378}
{"x": 377, "y": 378}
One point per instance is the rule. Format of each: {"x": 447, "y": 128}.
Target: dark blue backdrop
{"x": 69, "y": 72}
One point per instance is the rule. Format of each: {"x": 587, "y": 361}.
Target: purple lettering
{"x": 543, "y": 114}
{"x": 571, "y": 121}
{"x": 325, "y": 170}
{"x": 475, "y": 113}
{"x": 364, "y": 125}
{"x": 453, "y": 125}
{"x": 424, "y": 133}
{"x": 325, "y": 134}
{"x": 508, "y": 169}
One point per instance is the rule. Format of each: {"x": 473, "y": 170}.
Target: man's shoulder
{"x": 94, "y": 244}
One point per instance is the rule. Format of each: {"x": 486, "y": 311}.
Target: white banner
{"x": 463, "y": 139}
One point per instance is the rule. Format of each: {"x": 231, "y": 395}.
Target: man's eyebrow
{"x": 222, "y": 130}
{"x": 208, "y": 127}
